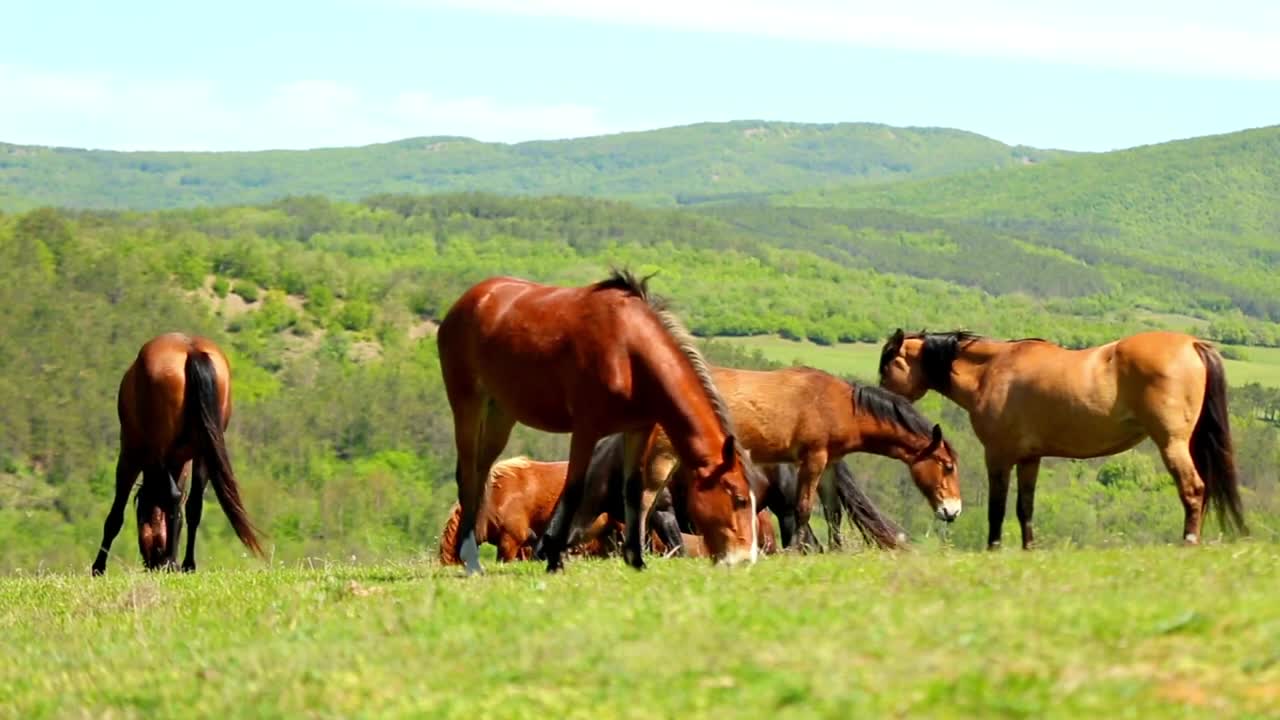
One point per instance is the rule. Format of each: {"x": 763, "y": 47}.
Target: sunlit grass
{"x": 1150, "y": 632}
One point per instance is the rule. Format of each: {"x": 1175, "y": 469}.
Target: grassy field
{"x": 1150, "y": 632}
{"x": 861, "y": 359}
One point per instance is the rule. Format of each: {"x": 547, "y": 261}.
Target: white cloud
{"x": 101, "y": 111}
{"x": 1227, "y": 38}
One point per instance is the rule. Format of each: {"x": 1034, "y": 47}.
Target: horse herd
{"x": 659, "y": 437}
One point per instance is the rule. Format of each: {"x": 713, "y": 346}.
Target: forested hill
{"x": 679, "y": 165}
{"x": 1190, "y": 222}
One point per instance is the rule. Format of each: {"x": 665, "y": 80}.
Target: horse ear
{"x": 936, "y": 440}
{"x": 896, "y": 339}
{"x": 730, "y": 451}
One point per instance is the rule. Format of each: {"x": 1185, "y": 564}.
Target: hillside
{"x": 690, "y": 164}
{"x": 1193, "y": 222}
{"x": 342, "y": 435}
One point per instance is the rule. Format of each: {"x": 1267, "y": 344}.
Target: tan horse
{"x": 812, "y": 418}
{"x": 1029, "y": 399}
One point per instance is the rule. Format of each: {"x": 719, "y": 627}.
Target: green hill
{"x": 342, "y": 436}
{"x": 1185, "y": 225}
{"x": 679, "y": 165}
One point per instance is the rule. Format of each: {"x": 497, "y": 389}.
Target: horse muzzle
{"x": 949, "y": 509}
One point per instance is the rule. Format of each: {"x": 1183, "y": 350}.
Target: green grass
{"x": 861, "y": 359}
{"x": 1149, "y": 632}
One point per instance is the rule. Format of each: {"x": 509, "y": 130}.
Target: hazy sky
{"x": 1083, "y": 75}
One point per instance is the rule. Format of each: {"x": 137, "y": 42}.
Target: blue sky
{"x": 1085, "y": 75}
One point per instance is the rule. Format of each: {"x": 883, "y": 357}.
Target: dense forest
{"x": 341, "y": 433}
{"x": 681, "y": 165}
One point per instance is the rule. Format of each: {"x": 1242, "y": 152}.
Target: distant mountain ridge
{"x": 689, "y": 164}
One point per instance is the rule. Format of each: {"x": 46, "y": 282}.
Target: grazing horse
{"x": 520, "y": 496}
{"x": 1029, "y": 399}
{"x": 667, "y": 537}
{"x": 174, "y": 404}
{"x": 812, "y": 418}
{"x": 590, "y": 361}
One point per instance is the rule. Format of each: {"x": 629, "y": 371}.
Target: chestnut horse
{"x": 589, "y": 361}
{"x": 806, "y": 416}
{"x": 1029, "y": 399}
{"x": 520, "y": 496}
{"x": 174, "y": 405}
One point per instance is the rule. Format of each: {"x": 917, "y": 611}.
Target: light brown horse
{"x": 518, "y": 502}
{"x": 590, "y": 361}
{"x": 1029, "y": 399}
{"x": 174, "y": 405}
{"x": 812, "y": 418}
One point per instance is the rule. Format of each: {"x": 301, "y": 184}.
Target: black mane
{"x": 938, "y": 352}
{"x": 891, "y": 407}
{"x": 628, "y": 282}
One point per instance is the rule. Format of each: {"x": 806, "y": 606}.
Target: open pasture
{"x": 1143, "y": 632}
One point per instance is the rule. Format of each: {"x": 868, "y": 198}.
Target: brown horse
{"x": 590, "y": 361}
{"x": 1029, "y": 399}
{"x": 518, "y": 502}
{"x": 812, "y": 418}
{"x": 174, "y": 405}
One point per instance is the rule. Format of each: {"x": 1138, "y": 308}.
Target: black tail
{"x": 1211, "y": 446}
{"x": 204, "y": 423}
{"x": 866, "y": 517}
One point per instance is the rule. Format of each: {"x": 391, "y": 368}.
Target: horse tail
{"x": 1211, "y": 446}
{"x": 204, "y": 421}
{"x": 449, "y": 537}
{"x": 875, "y": 527}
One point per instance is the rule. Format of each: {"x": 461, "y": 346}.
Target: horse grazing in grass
{"x": 666, "y": 536}
{"x": 590, "y": 361}
{"x": 1029, "y": 399}
{"x": 806, "y": 416}
{"x": 174, "y": 404}
{"x": 520, "y": 496}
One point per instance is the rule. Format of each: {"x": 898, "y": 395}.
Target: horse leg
{"x": 126, "y": 474}
{"x": 551, "y": 546}
{"x": 1027, "y": 472}
{"x": 173, "y": 474}
{"x": 997, "y": 495}
{"x": 811, "y": 468}
{"x": 831, "y": 510}
{"x": 1177, "y": 458}
{"x": 787, "y": 527}
{"x": 195, "y": 509}
{"x": 468, "y": 426}
{"x": 639, "y": 492}
{"x": 495, "y": 431}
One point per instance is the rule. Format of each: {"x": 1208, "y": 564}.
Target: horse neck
{"x": 887, "y": 439}
{"x": 970, "y": 368}
{"x": 683, "y": 406}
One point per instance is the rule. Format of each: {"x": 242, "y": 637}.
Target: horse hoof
{"x": 993, "y": 546}
{"x": 98, "y": 570}
{"x": 188, "y": 568}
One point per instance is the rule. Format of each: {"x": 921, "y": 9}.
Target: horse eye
{"x": 740, "y": 501}
{"x": 948, "y": 468}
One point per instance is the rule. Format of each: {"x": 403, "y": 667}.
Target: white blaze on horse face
{"x": 733, "y": 557}
{"x": 949, "y": 509}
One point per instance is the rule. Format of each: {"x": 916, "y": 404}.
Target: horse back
{"x": 532, "y": 347}
{"x": 152, "y": 393}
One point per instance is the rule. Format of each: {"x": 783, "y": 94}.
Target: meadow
{"x": 1156, "y": 631}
